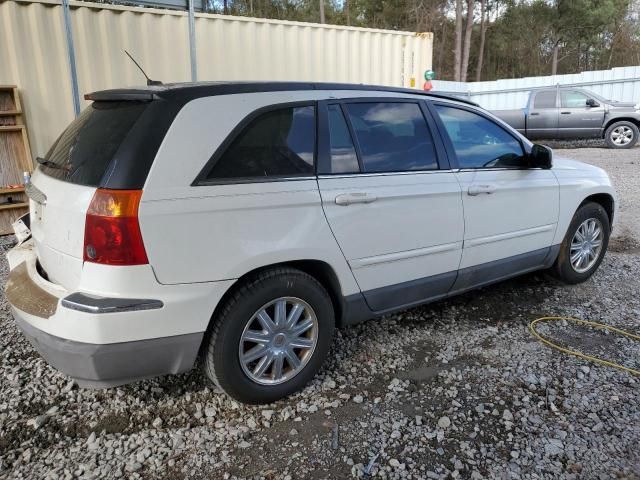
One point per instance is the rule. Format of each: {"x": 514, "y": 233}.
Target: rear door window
{"x": 545, "y": 99}
{"x": 392, "y": 137}
{"x": 84, "y": 151}
{"x": 277, "y": 143}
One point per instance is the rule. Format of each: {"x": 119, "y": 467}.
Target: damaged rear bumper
{"x": 98, "y": 366}
{"x": 39, "y": 307}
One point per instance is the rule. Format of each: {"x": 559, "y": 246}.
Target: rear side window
{"x": 478, "y": 142}
{"x": 392, "y": 137}
{"x": 278, "y": 143}
{"x": 83, "y": 152}
{"x": 545, "y": 99}
{"x": 343, "y": 152}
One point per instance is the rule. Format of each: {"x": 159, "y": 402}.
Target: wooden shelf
{"x": 15, "y": 157}
{"x": 11, "y": 190}
{"x": 9, "y": 206}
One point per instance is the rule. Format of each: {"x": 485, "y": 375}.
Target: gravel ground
{"x": 458, "y": 388}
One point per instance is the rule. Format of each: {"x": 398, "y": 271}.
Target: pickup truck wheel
{"x": 622, "y": 135}
{"x": 270, "y": 337}
{"x": 584, "y": 245}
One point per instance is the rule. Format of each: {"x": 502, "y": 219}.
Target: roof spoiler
{"x": 119, "y": 95}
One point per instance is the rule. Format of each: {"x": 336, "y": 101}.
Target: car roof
{"x": 191, "y": 90}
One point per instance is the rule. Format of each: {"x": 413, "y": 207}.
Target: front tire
{"x": 584, "y": 245}
{"x": 270, "y": 337}
{"x": 622, "y": 135}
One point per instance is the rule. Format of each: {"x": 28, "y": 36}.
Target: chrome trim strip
{"x": 508, "y": 236}
{"x": 394, "y": 257}
{"x": 86, "y": 303}
{"x": 328, "y": 176}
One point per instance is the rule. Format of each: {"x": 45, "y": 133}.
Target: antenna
{"x": 149, "y": 81}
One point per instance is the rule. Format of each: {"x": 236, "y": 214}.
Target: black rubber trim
{"x": 380, "y": 301}
{"x": 414, "y": 292}
{"x": 480, "y": 275}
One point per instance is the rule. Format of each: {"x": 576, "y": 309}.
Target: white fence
{"x": 622, "y": 84}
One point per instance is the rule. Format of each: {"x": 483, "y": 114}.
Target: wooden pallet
{"x": 15, "y": 158}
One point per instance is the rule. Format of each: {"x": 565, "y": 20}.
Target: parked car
{"x": 240, "y": 223}
{"x": 567, "y": 112}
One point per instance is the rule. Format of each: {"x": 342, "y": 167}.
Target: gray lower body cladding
{"x": 372, "y": 303}
{"x": 108, "y": 365}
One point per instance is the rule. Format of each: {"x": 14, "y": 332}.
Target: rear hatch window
{"x": 84, "y": 151}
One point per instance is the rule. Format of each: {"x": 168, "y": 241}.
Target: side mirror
{"x": 540, "y": 157}
{"x": 592, "y": 103}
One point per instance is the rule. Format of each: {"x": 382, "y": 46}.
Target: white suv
{"x": 244, "y": 221}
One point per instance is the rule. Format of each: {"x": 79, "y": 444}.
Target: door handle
{"x": 345, "y": 199}
{"x": 534, "y": 114}
{"x": 565, "y": 113}
{"x": 478, "y": 189}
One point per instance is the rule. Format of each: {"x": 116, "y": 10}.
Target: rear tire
{"x": 577, "y": 259}
{"x": 285, "y": 360}
{"x": 622, "y": 134}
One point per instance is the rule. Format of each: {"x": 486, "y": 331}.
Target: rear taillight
{"x": 112, "y": 232}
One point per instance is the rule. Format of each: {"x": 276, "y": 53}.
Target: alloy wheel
{"x": 278, "y": 341}
{"x": 622, "y": 135}
{"x": 586, "y": 245}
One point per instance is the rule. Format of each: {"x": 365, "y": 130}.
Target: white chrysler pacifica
{"x": 237, "y": 224}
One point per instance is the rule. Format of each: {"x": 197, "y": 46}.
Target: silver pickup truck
{"x": 564, "y": 112}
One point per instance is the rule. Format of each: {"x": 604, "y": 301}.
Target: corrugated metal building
{"x": 34, "y": 56}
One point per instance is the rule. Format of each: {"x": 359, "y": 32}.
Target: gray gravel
{"x": 455, "y": 389}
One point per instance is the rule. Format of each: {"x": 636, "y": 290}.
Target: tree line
{"x": 483, "y": 39}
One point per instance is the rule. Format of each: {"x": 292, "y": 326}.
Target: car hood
{"x": 623, "y": 106}
{"x": 568, "y": 166}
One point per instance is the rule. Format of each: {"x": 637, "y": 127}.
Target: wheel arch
{"x": 323, "y": 272}
{"x": 605, "y": 200}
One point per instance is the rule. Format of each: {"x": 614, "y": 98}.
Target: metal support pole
{"x": 192, "y": 42}
{"x": 66, "y": 15}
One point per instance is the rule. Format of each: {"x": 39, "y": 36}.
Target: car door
{"x": 390, "y": 198}
{"x": 510, "y": 210}
{"x": 542, "y": 114}
{"x": 577, "y": 119}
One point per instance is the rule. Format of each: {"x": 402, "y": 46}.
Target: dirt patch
{"x": 112, "y": 423}
{"x": 624, "y": 244}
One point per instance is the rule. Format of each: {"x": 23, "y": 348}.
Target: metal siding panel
{"x": 34, "y": 57}
{"x": 622, "y": 83}
{"x": 228, "y": 48}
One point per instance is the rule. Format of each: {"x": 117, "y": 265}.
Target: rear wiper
{"x": 49, "y": 163}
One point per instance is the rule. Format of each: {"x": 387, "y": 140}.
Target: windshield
{"x": 596, "y": 97}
